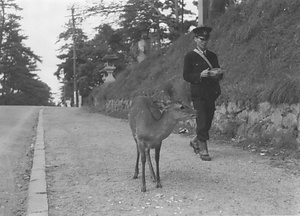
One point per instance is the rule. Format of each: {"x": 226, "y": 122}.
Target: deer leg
{"x": 148, "y": 158}
{"x": 143, "y": 159}
{"x": 157, "y": 153}
{"x": 136, "y": 172}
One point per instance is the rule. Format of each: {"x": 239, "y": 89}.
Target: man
{"x": 202, "y": 70}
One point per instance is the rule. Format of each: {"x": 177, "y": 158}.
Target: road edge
{"x": 37, "y": 204}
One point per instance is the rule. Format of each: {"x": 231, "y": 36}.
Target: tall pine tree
{"x": 19, "y": 83}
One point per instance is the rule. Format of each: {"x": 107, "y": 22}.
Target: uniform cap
{"x": 202, "y": 31}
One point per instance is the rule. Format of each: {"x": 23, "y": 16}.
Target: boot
{"x": 203, "y": 151}
{"x": 194, "y": 143}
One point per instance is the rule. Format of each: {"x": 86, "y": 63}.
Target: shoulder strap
{"x": 203, "y": 56}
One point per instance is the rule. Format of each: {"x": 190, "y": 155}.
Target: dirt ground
{"x": 90, "y": 164}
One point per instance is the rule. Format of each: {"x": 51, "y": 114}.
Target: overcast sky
{"x": 43, "y": 21}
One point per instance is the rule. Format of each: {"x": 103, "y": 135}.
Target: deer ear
{"x": 167, "y": 99}
{"x": 160, "y": 104}
{"x": 155, "y": 112}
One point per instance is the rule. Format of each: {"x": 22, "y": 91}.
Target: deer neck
{"x": 165, "y": 125}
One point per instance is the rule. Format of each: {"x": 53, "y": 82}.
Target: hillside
{"x": 257, "y": 43}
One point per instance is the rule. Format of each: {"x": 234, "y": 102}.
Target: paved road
{"x": 17, "y": 130}
{"x": 90, "y": 164}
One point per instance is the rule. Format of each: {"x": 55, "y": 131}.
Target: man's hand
{"x": 205, "y": 73}
{"x": 216, "y": 71}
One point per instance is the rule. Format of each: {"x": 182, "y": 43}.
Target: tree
{"x": 89, "y": 55}
{"x": 136, "y": 18}
{"x": 18, "y": 63}
{"x": 160, "y": 18}
{"x": 176, "y": 25}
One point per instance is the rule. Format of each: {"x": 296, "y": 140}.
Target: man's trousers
{"x": 205, "y": 114}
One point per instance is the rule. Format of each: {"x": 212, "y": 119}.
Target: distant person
{"x": 202, "y": 70}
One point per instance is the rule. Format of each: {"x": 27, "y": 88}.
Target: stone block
{"x": 276, "y": 117}
{"x": 289, "y": 121}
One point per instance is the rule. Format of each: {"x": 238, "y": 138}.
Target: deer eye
{"x": 181, "y": 107}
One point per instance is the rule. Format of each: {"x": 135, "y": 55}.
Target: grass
{"x": 285, "y": 91}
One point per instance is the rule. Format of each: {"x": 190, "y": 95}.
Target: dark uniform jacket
{"x": 205, "y": 88}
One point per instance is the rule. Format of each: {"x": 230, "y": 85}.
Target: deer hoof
{"x": 143, "y": 189}
{"x": 153, "y": 179}
{"x": 158, "y": 185}
{"x": 135, "y": 176}
{"x": 205, "y": 157}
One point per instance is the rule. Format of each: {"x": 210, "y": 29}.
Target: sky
{"x": 42, "y": 21}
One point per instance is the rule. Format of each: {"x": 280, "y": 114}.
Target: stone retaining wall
{"x": 276, "y": 125}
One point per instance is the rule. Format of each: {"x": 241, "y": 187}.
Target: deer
{"x": 150, "y": 126}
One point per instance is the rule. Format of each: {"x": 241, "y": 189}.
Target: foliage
{"x": 136, "y": 18}
{"x": 18, "y": 82}
{"x": 89, "y": 55}
{"x": 285, "y": 91}
{"x": 257, "y": 43}
{"x": 37, "y": 93}
{"x": 159, "y": 18}
{"x": 163, "y": 21}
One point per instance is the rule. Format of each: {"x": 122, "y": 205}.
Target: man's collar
{"x": 204, "y": 51}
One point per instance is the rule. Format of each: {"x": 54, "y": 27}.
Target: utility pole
{"x": 74, "y": 59}
{"x": 182, "y": 17}
{"x": 200, "y": 12}
{"x": 203, "y": 6}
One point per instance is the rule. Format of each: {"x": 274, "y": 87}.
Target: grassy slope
{"x": 258, "y": 46}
